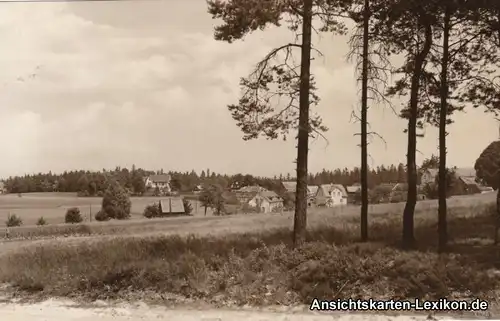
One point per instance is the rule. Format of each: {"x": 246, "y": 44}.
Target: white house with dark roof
{"x": 267, "y": 201}
{"x": 330, "y": 195}
{"x": 161, "y": 181}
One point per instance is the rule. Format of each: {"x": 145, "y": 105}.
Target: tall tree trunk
{"x": 411, "y": 198}
{"x": 443, "y": 113}
{"x": 300, "y": 219}
{"x": 364, "y": 124}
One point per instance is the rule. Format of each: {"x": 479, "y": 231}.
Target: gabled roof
{"x": 160, "y": 178}
{"x": 313, "y": 189}
{"x": 468, "y": 180}
{"x": 172, "y": 205}
{"x": 327, "y": 188}
{"x": 290, "y": 187}
{"x": 459, "y": 172}
{"x": 271, "y": 196}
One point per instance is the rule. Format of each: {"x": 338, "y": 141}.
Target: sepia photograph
{"x": 254, "y": 160}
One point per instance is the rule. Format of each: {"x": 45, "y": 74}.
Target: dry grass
{"x": 53, "y": 206}
{"x": 262, "y": 268}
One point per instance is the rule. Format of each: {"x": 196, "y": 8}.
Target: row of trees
{"x": 449, "y": 50}
{"x": 89, "y": 183}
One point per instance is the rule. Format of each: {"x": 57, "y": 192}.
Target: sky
{"x": 96, "y": 85}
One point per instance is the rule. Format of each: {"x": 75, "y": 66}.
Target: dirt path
{"x": 67, "y": 311}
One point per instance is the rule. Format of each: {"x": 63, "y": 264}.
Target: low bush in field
{"x": 102, "y": 216}
{"x": 41, "y": 221}
{"x": 73, "y": 216}
{"x": 152, "y": 211}
{"x": 13, "y": 220}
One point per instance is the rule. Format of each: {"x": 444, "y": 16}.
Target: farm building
{"x": 161, "y": 181}
{"x": 353, "y": 194}
{"x": 266, "y": 202}
{"x": 331, "y": 195}
{"x": 172, "y": 206}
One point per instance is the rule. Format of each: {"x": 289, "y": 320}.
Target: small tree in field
{"x": 188, "y": 208}
{"x": 73, "y": 215}
{"x": 152, "y": 211}
{"x": 206, "y": 198}
{"x": 101, "y": 216}
{"x": 116, "y": 202}
{"x": 13, "y": 220}
{"x": 41, "y": 221}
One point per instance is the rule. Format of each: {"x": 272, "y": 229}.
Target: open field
{"x": 28, "y": 208}
{"x": 53, "y": 206}
{"x": 248, "y": 259}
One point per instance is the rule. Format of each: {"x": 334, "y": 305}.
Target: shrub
{"x": 102, "y": 216}
{"x": 41, "y": 221}
{"x": 152, "y": 211}
{"x": 188, "y": 208}
{"x": 116, "y": 202}
{"x": 13, "y": 220}
{"x": 73, "y": 216}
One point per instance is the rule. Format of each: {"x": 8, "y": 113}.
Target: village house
{"x": 172, "y": 206}
{"x": 245, "y": 194}
{"x": 465, "y": 176}
{"x": 197, "y": 189}
{"x": 353, "y": 193}
{"x": 160, "y": 181}
{"x": 267, "y": 202}
{"x": 330, "y": 195}
{"x": 291, "y": 188}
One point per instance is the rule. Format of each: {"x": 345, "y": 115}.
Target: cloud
{"x": 106, "y": 84}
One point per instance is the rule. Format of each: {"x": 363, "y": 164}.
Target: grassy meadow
{"x": 53, "y": 206}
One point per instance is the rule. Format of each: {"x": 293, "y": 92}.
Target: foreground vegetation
{"x": 263, "y": 268}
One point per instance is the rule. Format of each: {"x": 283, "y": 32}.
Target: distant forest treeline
{"x": 91, "y": 183}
